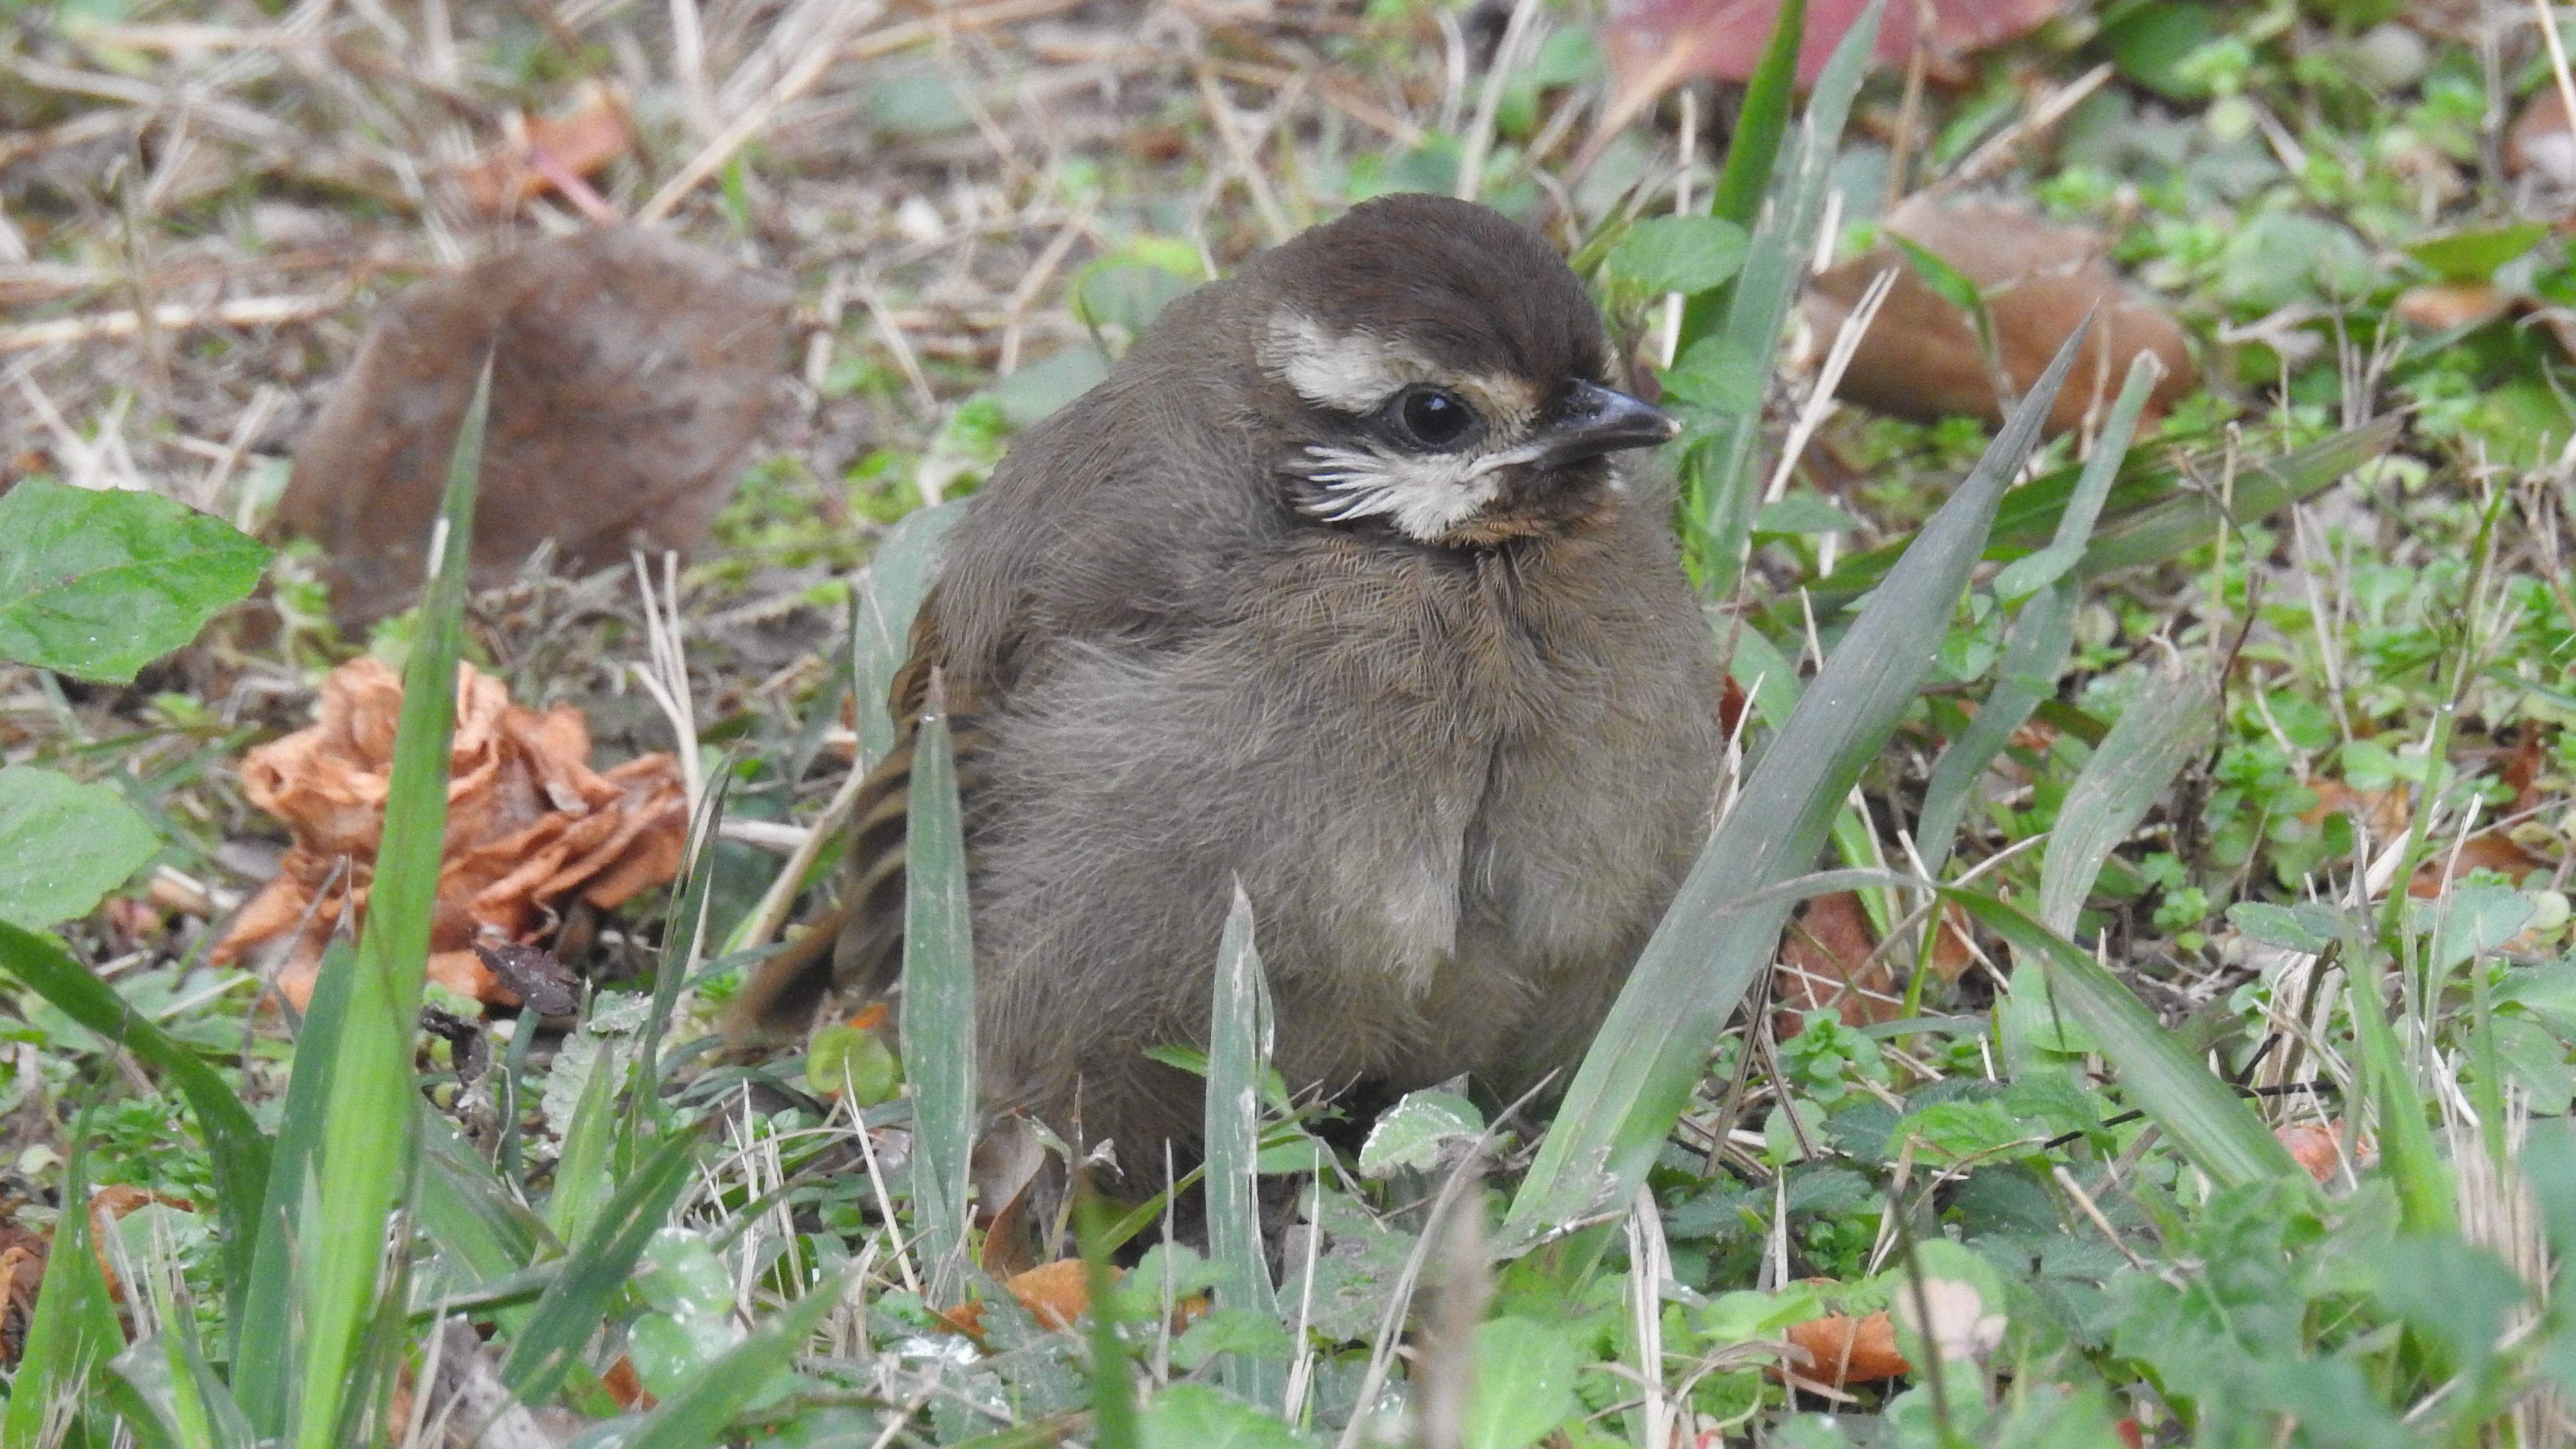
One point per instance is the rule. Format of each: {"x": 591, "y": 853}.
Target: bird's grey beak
{"x": 1592, "y": 420}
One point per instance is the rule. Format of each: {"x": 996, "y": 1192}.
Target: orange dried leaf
{"x": 1842, "y": 1349}
{"x": 531, "y": 827}
{"x": 1826, "y": 963}
{"x": 111, "y": 1205}
{"x": 2313, "y": 1147}
{"x": 579, "y": 141}
{"x": 1055, "y": 1294}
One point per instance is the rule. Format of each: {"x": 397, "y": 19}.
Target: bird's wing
{"x": 864, "y": 932}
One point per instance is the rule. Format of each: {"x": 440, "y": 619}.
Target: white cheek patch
{"x": 1425, "y": 495}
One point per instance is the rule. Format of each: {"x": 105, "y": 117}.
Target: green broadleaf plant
{"x": 98, "y": 583}
{"x": 64, "y": 845}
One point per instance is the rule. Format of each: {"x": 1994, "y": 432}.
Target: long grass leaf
{"x": 2043, "y": 634}
{"x": 1719, "y": 473}
{"x": 939, "y": 1009}
{"x": 2163, "y": 729}
{"x": 889, "y": 594}
{"x": 1112, "y": 1374}
{"x": 1704, "y": 955}
{"x": 267, "y": 1312}
{"x": 570, "y": 1312}
{"x": 2176, "y": 1089}
{"x": 1238, "y": 1061}
{"x": 1753, "y": 153}
{"x": 682, "y": 946}
{"x": 581, "y": 1170}
{"x": 237, "y": 1150}
{"x": 73, "y": 1332}
{"x": 481, "y": 1229}
{"x": 2148, "y": 519}
{"x": 169, "y": 1387}
{"x": 367, "y": 1136}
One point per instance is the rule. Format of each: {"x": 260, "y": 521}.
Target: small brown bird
{"x": 1333, "y": 589}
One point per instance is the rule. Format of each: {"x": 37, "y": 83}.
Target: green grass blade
{"x": 2143, "y": 524}
{"x": 236, "y": 1148}
{"x": 367, "y": 1137}
{"x": 939, "y": 1010}
{"x": 2043, "y": 634}
{"x": 481, "y": 1229}
{"x": 1637, "y": 1077}
{"x": 1719, "y": 476}
{"x": 569, "y": 1314}
{"x": 1112, "y": 1375}
{"x": 2407, "y": 1154}
{"x": 73, "y": 1332}
{"x": 2163, "y": 729}
{"x": 2178, "y": 1092}
{"x": 2035, "y": 654}
{"x": 581, "y": 1171}
{"x": 696, "y": 1415}
{"x": 683, "y": 943}
{"x": 889, "y": 594}
{"x": 1753, "y": 153}
{"x": 267, "y": 1312}
{"x": 165, "y": 1389}
{"x": 1238, "y": 1062}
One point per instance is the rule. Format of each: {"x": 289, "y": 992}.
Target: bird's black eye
{"x": 1431, "y": 417}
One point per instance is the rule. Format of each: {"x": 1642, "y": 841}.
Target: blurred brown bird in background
{"x": 1335, "y": 589}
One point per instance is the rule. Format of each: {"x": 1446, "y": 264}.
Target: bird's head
{"x": 1436, "y": 370}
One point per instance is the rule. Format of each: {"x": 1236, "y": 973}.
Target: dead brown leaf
{"x": 1920, "y": 358}
{"x": 2384, "y": 816}
{"x": 2441, "y": 306}
{"x": 630, "y": 373}
{"x": 2538, "y": 147}
{"x": 1829, "y": 961}
{"x": 2312, "y": 1145}
{"x": 530, "y": 829}
{"x": 1723, "y": 39}
{"x": 1842, "y": 1349}
{"x": 536, "y": 152}
{"x": 111, "y": 1205}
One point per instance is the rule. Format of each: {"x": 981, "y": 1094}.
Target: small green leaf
{"x": 1524, "y": 1383}
{"x": 1197, "y": 1416}
{"x": 1685, "y": 254}
{"x": 1413, "y": 1132}
{"x": 1802, "y": 513}
{"x": 98, "y": 584}
{"x": 2275, "y": 926}
{"x": 63, "y": 845}
{"x": 2474, "y": 255}
{"x": 856, "y": 1059}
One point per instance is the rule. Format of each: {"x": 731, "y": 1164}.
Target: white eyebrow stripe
{"x": 1352, "y": 372}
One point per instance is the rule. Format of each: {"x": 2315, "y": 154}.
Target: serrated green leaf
{"x": 98, "y": 584}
